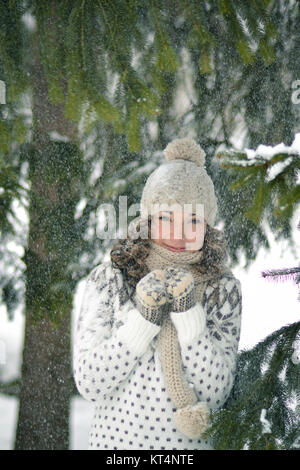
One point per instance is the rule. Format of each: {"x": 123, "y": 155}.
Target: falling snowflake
{"x": 266, "y": 425}
{"x": 296, "y": 354}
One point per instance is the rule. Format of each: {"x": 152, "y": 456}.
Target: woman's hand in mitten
{"x": 180, "y": 288}
{"x": 152, "y": 296}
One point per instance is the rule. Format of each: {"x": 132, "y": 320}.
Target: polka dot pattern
{"x": 132, "y": 407}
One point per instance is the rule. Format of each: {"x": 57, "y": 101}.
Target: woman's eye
{"x": 163, "y": 217}
{"x": 196, "y": 221}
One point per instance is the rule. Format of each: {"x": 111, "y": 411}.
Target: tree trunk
{"x": 46, "y": 387}
{"x": 54, "y": 171}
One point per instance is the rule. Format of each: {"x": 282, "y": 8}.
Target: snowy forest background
{"x": 90, "y": 95}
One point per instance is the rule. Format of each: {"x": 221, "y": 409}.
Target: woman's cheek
{"x": 194, "y": 238}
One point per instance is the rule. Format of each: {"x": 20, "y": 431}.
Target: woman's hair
{"x": 129, "y": 254}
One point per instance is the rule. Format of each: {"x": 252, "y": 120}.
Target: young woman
{"x": 159, "y": 326}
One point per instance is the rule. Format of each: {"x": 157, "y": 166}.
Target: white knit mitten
{"x": 152, "y": 296}
{"x": 180, "y": 288}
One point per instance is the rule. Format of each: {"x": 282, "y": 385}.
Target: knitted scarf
{"x": 191, "y": 416}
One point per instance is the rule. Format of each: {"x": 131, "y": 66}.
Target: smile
{"x": 172, "y": 248}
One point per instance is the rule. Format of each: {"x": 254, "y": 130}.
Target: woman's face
{"x": 178, "y": 231}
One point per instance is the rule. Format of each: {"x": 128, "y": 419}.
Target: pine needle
{"x": 281, "y": 275}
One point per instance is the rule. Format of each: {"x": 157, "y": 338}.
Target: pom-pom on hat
{"x": 182, "y": 179}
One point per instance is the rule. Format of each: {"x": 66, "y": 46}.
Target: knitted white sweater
{"x": 117, "y": 366}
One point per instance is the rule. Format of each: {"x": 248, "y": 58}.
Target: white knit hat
{"x": 181, "y": 180}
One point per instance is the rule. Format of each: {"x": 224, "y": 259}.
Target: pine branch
{"x": 282, "y": 274}
{"x": 285, "y": 274}
{"x": 259, "y": 385}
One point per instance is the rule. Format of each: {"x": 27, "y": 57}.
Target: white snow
{"x": 8, "y": 420}
{"x": 296, "y": 354}
{"x": 82, "y": 412}
{"x": 268, "y": 305}
{"x": 81, "y": 416}
{"x": 268, "y": 152}
{"x": 29, "y": 21}
{"x": 80, "y": 208}
{"x": 266, "y": 426}
{"x": 58, "y": 137}
{"x": 296, "y": 443}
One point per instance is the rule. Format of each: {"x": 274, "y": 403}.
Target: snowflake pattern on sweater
{"x": 116, "y": 362}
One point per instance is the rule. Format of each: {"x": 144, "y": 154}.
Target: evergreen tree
{"x": 243, "y": 104}
{"x": 263, "y": 409}
{"x": 264, "y": 185}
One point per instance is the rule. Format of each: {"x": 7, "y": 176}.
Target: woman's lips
{"x": 173, "y": 248}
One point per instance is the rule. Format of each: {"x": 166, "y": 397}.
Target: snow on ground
{"x": 81, "y": 416}
{"x": 8, "y": 419}
{"x": 82, "y": 412}
{"x": 267, "y": 306}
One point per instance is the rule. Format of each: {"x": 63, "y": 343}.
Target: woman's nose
{"x": 180, "y": 232}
